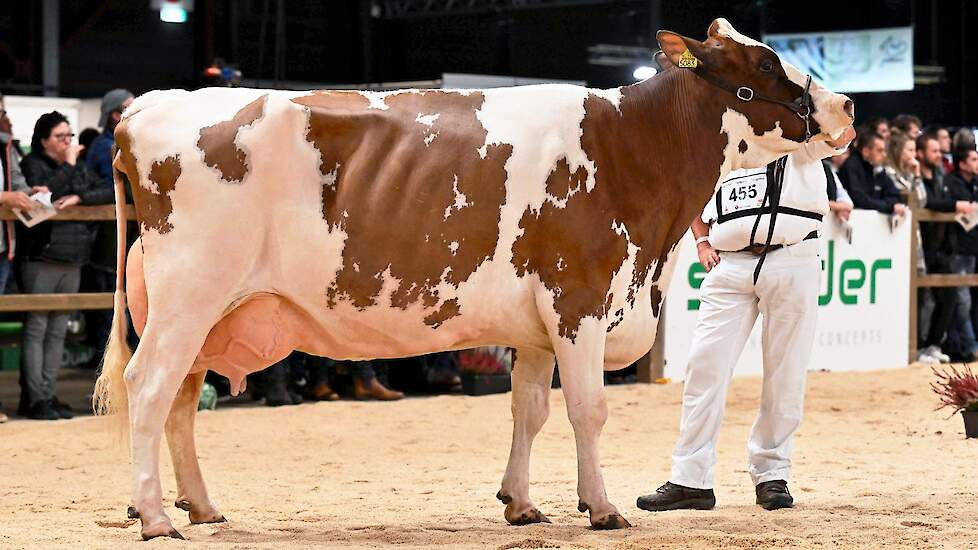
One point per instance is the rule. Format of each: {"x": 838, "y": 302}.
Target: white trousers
{"x": 786, "y": 295}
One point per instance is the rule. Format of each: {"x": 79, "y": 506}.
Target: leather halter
{"x": 803, "y": 106}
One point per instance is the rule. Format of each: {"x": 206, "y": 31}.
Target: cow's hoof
{"x": 171, "y": 533}
{"x": 526, "y": 518}
{"x": 183, "y": 504}
{"x": 131, "y": 513}
{"x": 214, "y": 517}
{"x": 611, "y": 521}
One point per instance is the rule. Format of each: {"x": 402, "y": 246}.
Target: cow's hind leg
{"x": 191, "y": 491}
{"x": 582, "y": 380}
{"x": 532, "y": 376}
{"x": 170, "y": 342}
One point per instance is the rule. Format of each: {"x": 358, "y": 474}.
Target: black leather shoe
{"x": 42, "y": 410}
{"x": 64, "y": 411}
{"x": 676, "y": 497}
{"x": 772, "y": 495}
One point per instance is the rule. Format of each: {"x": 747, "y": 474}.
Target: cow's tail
{"x": 110, "y": 396}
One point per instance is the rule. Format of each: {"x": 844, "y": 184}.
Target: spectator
{"x": 908, "y": 124}
{"x": 937, "y": 305}
{"x": 99, "y": 274}
{"x": 902, "y": 166}
{"x": 52, "y": 255}
{"x": 840, "y": 203}
{"x": 863, "y": 177}
{"x": 85, "y": 139}
{"x": 880, "y": 126}
{"x": 944, "y": 140}
{"x": 964, "y": 187}
{"x": 964, "y": 138}
{"x": 13, "y": 193}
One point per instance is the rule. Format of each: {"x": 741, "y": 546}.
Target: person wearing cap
{"x": 100, "y": 155}
{"x": 99, "y": 274}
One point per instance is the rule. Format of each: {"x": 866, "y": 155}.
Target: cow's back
{"x": 389, "y": 220}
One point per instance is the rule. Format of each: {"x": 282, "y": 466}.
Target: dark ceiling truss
{"x": 402, "y": 9}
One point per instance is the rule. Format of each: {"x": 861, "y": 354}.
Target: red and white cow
{"x": 360, "y": 225}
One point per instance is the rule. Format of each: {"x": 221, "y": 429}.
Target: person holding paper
{"x": 938, "y": 242}
{"x": 53, "y": 253}
{"x": 14, "y": 194}
{"x": 963, "y": 183}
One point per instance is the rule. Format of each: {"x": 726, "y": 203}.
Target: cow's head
{"x": 767, "y": 99}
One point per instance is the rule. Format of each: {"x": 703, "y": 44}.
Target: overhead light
{"x": 173, "y": 12}
{"x": 643, "y": 72}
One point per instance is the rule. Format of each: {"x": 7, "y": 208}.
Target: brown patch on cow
{"x": 645, "y": 182}
{"x": 157, "y": 207}
{"x": 742, "y": 146}
{"x": 447, "y": 310}
{"x": 153, "y": 207}
{"x": 390, "y": 192}
{"x": 218, "y": 142}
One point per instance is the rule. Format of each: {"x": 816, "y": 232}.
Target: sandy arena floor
{"x": 875, "y": 467}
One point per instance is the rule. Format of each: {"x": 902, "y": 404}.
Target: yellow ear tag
{"x": 687, "y": 60}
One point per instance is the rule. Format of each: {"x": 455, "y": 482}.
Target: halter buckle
{"x": 745, "y": 94}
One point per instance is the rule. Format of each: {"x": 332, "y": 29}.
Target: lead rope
{"x": 775, "y": 178}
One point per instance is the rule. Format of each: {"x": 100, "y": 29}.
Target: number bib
{"x": 741, "y": 194}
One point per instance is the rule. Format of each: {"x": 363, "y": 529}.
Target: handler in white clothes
{"x": 785, "y": 294}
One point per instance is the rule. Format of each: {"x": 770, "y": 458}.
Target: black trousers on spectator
{"x": 945, "y": 299}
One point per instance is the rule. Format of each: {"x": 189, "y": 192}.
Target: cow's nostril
{"x": 848, "y": 107}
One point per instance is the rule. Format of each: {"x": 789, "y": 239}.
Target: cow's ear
{"x": 682, "y": 52}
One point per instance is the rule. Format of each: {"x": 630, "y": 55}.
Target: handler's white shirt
{"x": 804, "y": 202}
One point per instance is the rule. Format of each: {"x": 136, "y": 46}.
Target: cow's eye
{"x": 767, "y": 65}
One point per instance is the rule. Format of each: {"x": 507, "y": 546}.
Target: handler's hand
{"x": 708, "y": 255}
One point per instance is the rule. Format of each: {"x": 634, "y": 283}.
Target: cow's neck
{"x": 660, "y": 154}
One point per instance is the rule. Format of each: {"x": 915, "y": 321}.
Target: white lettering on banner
{"x": 864, "y": 301}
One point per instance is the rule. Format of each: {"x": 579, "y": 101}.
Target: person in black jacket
{"x": 863, "y": 177}
{"x": 938, "y": 303}
{"x": 52, "y": 254}
{"x": 963, "y": 185}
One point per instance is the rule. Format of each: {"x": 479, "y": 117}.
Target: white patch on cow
{"x": 376, "y": 100}
{"x": 724, "y": 28}
{"x": 613, "y": 96}
{"x": 427, "y": 120}
{"x": 461, "y": 201}
{"x": 430, "y": 137}
{"x": 453, "y": 246}
{"x": 761, "y": 149}
{"x": 427, "y": 238}
{"x": 561, "y": 263}
{"x": 619, "y": 228}
{"x": 356, "y": 267}
{"x": 329, "y": 180}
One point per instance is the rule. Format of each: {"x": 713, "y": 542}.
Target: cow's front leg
{"x": 581, "y": 362}
{"x": 532, "y": 376}
{"x": 191, "y": 491}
